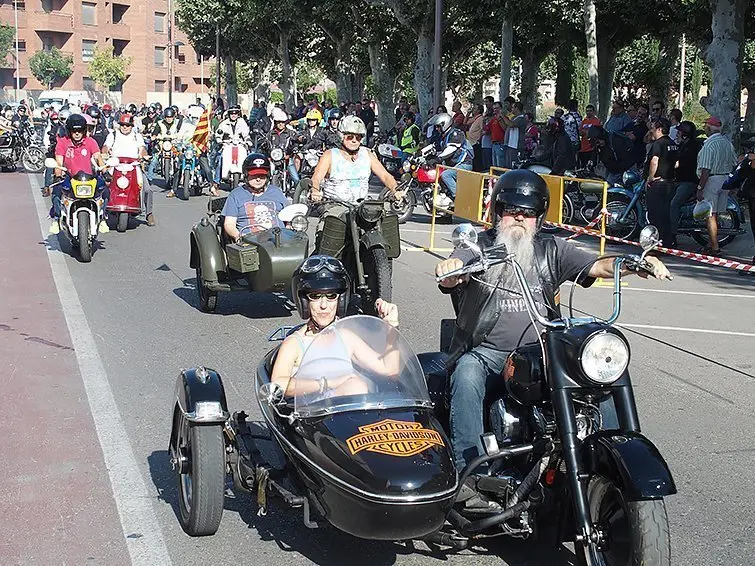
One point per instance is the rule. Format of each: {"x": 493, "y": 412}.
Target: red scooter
{"x": 125, "y": 190}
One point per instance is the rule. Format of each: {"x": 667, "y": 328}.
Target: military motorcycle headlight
{"x": 371, "y": 212}
{"x": 167, "y": 145}
{"x": 276, "y": 154}
{"x": 604, "y": 358}
{"x": 299, "y": 223}
{"x": 122, "y": 182}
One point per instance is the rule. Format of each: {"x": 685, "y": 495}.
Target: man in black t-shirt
{"x": 686, "y": 171}
{"x": 659, "y": 175}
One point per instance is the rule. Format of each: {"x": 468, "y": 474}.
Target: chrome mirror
{"x": 271, "y": 392}
{"x": 464, "y": 235}
{"x": 649, "y": 239}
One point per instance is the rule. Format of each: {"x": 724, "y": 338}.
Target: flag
{"x": 201, "y": 137}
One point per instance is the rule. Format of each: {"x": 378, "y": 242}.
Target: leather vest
{"x": 478, "y": 306}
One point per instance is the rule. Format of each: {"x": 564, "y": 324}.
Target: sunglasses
{"x": 517, "y": 211}
{"x": 355, "y": 137}
{"x": 318, "y": 262}
{"x": 317, "y": 296}
{"x": 126, "y": 125}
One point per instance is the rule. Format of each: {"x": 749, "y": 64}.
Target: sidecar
{"x": 355, "y": 426}
{"x": 263, "y": 262}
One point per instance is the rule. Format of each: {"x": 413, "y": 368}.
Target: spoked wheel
{"x": 33, "y": 159}
{"x": 567, "y": 215}
{"x": 301, "y": 194}
{"x": 377, "y": 277}
{"x": 403, "y": 208}
{"x": 85, "y": 239}
{"x": 626, "y": 229}
{"x": 727, "y": 221}
{"x": 634, "y": 532}
{"x": 208, "y": 300}
{"x": 201, "y": 477}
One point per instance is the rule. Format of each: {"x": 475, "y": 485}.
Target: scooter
{"x": 81, "y": 209}
{"x": 125, "y": 190}
{"x": 234, "y": 153}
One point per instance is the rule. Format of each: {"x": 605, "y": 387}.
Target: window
{"x": 47, "y": 6}
{"x": 159, "y": 56}
{"x": 21, "y": 44}
{"x": 87, "y": 49}
{"x": 89, "y": 13}
{"x": 159, "y": 24}
{"x": 159, "y": 86}
{"x": 119, "y": 10}
{"x": 88, "y": 84}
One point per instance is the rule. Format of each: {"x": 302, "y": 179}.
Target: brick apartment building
{"x": 135, "y": 28}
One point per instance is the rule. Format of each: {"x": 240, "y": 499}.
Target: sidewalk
{"x": 55, "y": 495}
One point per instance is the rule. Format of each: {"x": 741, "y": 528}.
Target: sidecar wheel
{"x": 636, "y": 532}
{"x": 208, "y": 300}
{"x": 122, "y": 224}
{"x": 301, "y": 194}
{"x": 202, "y": 484}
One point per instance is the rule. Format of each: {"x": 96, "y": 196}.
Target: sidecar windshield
{"x": 358, "y": 362}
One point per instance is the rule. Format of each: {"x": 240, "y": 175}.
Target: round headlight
{"x": 122, "y": 182}
{"x": 604, "y": 358}
{"x": 167, "y": 145}
{"x": 407, "y": 166}
{"x": 189, "y": 154}
{"x": 299, "y": 223}
{"x": 276, "y": 154}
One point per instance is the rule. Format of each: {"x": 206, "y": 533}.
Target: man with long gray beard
{"x": 492, "y": 318}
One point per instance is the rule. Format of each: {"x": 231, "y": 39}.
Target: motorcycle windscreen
{"x": 358, "y": 363}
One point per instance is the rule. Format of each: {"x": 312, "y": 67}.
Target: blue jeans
{"x": 499, "y": 155}
{"x": 477, "y": 373}
{"x": 152, "y": 165}
{"x": 448, "y": 178}
{"x": 49, "y": 172}
{"x": 293, "y": 172}
{"x": 487, "y": 158}
{"x": 684, "y": 192}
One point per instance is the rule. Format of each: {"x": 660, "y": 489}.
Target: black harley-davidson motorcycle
{"x": 375, "y": 460}
{"x": 20, "y": 146}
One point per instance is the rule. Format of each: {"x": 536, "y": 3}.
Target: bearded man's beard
{"x": 519, "y": 240}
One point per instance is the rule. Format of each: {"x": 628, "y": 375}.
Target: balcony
{"x": 120, "y": 32}
{"x": 57, "y": 22}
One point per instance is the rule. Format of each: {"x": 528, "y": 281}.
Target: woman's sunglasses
{"x": 317, "y": 296}
{"x": 354, "y": 137}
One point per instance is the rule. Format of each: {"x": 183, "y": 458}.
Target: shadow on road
{"x": 246, "y": 303}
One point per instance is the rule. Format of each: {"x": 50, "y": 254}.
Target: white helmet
{"x": 352, "y": 125}
{"x": 64, "y": 114}
{"x": 279, "y": 115}
{"x": 443, "y": 121}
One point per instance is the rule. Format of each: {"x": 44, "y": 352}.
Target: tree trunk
{"x": 262, "y": 82}
{"x": 530, "y": 70}
{"x": 231, "y": 93}
{"x": 343, "y": 85}
{"x": 591, "y": 37}
{"x": 750, "y": 110}
{"x": 564, "y": 73}
{"x": 423, "y": 71}
{"x": 286, "y": 82}
{"x": 357, "y": 87}
{"x": 668, "y": 52}
{"x": 606, "y": 73}
{"x": 724, "y": 57}
{"x": 383, "y": 79}
{"x": 507, "y": 41}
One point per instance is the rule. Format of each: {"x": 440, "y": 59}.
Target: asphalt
{"x": 695, "y": 389}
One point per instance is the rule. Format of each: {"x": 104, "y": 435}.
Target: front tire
{"x": 628, "y": 229}
{"x": 301, "y": 194}
{"x": 377, "y": 277}
{"x": 235, "y": 180}
{"x": 201, "y": 481}
{"x": 122, "y": 224}
{"x": 85, "y": 239}
{"x": 33, "y": 159}
{"x": 167, "y": 172}
{"x": 208, "y": 300}
{"x": 185, "y": 186}
{"x": 635, "y": 532}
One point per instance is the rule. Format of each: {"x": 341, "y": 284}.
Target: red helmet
{"x": 54, "y": 116}
{"x": 126, "y": 120}
{"x": 107, "y": 107}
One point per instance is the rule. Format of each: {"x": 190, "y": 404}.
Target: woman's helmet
{"x": 107, "y": 108}
{"x": 314, "y": 114}
{"x": 352, "y": 125}
{"x": 442, "y": 121}
{"x": 278, "y": 115}
{"x": 687, "y": 129}
{"x": 76, "y": 123}
{"x": 91, "y": 122}
{"x": 523, "y": 189}
{"x": 255, "y": 164}
{"x": 320, "y": 273}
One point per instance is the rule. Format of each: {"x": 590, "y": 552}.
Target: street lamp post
{"x": 18, "y": 72}
{"x": 170, "y": 54}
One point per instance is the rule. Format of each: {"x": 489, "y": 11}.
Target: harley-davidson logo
{"x": 394, "y": 438}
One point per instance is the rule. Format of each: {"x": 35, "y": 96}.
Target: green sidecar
{"x": 263, "y": 262}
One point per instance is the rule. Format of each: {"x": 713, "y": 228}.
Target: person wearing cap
{"x": 715, "y": 161}
{"x": 125, "y": 142}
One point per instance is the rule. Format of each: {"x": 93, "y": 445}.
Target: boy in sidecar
{"x": 254, "y": 205}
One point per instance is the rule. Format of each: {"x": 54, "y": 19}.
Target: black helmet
{"x": 525, "y": 189}
{"x": 255, "y": 164}
{"x": 76, "y": 123}
{"x": 687, "y": 129}
{"x": 409, "y": 116}
{"x": 94, "y": 112}
{"x": 169, "y": 112}
{"x": 132, "y": 108}
{"x": 320, "y": 273}
{"x": 158, "y": 106}
{"x": 335, "y": 115}
{"x": 234, "y": 108}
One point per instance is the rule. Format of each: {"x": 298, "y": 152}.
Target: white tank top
{"x": 348, "y": 180}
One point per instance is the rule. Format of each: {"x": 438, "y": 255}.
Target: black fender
{"x": 372, "y": 239}
{"x": 199, "y": 385}
{"x": 733, "y": 206}
{"x": 631, "y": 460}
{"x": 206, "y": 251}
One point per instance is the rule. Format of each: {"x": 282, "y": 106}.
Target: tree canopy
{"x": 50, "y": 67}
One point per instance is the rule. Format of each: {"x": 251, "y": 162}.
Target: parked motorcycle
{"x": 549, "y": 450}
{"x": 628, "y": 214}
{"x": 390, "y": 156}
{"x": 191, "y": 176}
{"x": 81, "y": 209}
{"x": 125, "y": 190}
{"x": 20, "y": 146}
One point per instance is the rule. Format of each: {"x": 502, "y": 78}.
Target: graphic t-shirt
{"x": 260, "y": 211}
{"x": 667, "y": 152}
{"x": 77, "y": 158}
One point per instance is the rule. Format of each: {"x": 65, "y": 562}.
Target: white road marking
{"x": 701, "y": 293}
{"x": 683, "y": 329}
{"x": 142, "y": 533}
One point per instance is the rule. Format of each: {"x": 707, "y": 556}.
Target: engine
{"x": 507, "y": 422}
{"x": 7, "y": 159}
